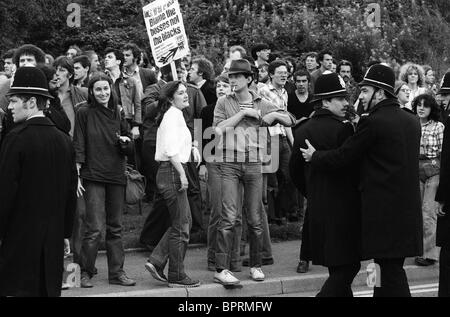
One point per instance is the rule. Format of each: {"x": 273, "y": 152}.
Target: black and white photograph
{"x": 245, "y": 153}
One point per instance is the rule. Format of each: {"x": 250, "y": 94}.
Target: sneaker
{"x": 65, "y": 286}
{"x": 225, "y": 278}
{"x": 257, "y": 274}
{"x": 156, "y": 272}
{"x": 187, "y": 282}
{"x": 85, "y": 281}
{"x": 122, "y": 280}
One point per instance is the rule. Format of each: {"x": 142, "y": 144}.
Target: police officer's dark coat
{"x": 386, "y": 141}
{"x": 37, "y": 201}
{"x": 443, "y": 192}
{"x": 333, "y": 197}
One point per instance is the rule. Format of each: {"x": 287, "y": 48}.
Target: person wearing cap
{"x": 260, "y": 54}
{"x": 240, "y": 115}
{"x": 443, "y": 198}
{"x": 333, "y": 198}
{"x": 444, "y": 96}
{"x": 38, "y": 183}
{"x": 386, "y": 144}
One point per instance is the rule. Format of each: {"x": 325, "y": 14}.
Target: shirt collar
{"x": 272, "y": 88}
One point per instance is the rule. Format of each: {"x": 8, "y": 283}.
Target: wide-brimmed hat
{"x": 29, "y": 80}
{"x": 329, "y": 85}
{"x": 445, "y": 84}
{"x": 240, "y": 66}
{"x": 380, "y": 76}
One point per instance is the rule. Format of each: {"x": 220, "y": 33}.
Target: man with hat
{"x": 443, "y": 197}
{"x": 444, "y": 96}
{"x": 38, "y": 183}
{"x": 386, "y": 144}
{"x": 334, "y": 229}
{"x": 238, "y": 117}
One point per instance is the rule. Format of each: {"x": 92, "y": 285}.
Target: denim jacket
{"x": 130, "y": 100}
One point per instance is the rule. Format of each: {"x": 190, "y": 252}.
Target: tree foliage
{"x": 411, "y": 30}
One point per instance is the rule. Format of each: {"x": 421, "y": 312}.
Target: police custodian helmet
{"x": 329, "y": 85}
{"x": 382, "y": 77}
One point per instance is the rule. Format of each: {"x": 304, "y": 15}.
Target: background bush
{"x": 411, "y": 30}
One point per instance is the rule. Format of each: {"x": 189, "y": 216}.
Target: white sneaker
{"x": 225, "y": 278}
{"x": 257, "y": 274}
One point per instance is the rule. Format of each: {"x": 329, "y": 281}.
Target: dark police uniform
{"x": 443, "y": 223}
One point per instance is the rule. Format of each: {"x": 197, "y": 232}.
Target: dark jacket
{"x": 150, "y": 111}
{"x": 387, "y": 142}
{"x": 38, "y": 198}
{"x": 208, "y": 90}
{"x": 96, "y": 144}
{"x": 443, "y": 192}
{"x": 148, "y": 77}
{"x": 333, "y": 196}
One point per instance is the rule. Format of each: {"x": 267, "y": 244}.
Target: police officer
{"x": 443, "y": 197}
{"x": 333, "y": 197}
{"x": 387, "y": 142}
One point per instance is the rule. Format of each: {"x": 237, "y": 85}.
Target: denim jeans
{"x": 429, "y": 206}
{"x": 215, "y": 201}
{"x": 103, "y": 201}
{"x": 249, "y": 174}
{"x": 173, "y": 244}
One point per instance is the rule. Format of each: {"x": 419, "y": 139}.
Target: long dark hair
{"x": 165, "y": 97}
{"x": 429, "y": 102}
{"x": 99, "y": 76}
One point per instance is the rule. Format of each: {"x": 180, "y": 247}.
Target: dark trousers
{"x": 305, "y": 247}
{"x": 394, "y": 282}
{"x": 339, "y": 283}
{"x": 286, "y": 200}
{"x": 156, "y": 223}
{"x": 194, "y": 195}
{"x": 444, "y": 272}
{"x": 78, "y": 229}
{"x": 104, "y": 205}
{"x": 150, "y": 168}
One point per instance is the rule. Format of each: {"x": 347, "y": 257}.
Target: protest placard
{"x": 165, "y": 28}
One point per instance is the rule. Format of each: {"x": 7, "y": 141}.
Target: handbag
{"x": 429, "y": 168}
{"x": 135, "y": 189}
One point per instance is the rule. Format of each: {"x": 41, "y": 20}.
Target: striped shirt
{"x": 279, "y": 98}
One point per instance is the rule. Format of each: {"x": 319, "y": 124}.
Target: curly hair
{"x": 405, "y": 69}
{"x": 205, "y": 67}
{"x": 29, "y": 50}
{"x": 428, "y": 102}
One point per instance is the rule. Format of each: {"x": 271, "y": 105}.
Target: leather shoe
{"x": 303, "y": 267}
{"x": 264, "y": 261}
{"x": 122, "y": 280}
{"x": 85, "y": 281}
{"x": 424, "y": 262}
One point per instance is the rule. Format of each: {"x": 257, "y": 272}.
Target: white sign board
{"x": 165, "y": 29}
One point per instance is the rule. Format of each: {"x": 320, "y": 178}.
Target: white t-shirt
{"x": 173, "y": 137}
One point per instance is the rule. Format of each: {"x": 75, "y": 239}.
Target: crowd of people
{"x": 363, "y": 167}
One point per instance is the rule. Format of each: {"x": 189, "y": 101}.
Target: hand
{"x": 66, "y": 247}
{"x": 308, "y": 153}
{"x": 80, "y": 188}
{"x": 184, "y": 183}
{"x": 203, "y": 173}
{"x": 135, "y": 133}
{"x": 440, "y": 211}
{"x": 252, "y": 113}
{"x": 197, "y": 157}
{"x": 124, "y": 139}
